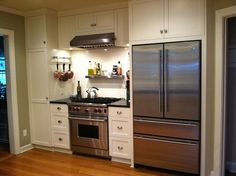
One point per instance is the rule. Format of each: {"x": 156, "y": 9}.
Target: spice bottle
{"x": 119, "y": 68}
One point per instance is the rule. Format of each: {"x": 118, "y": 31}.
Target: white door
{"x": 85, "y": 22}
{"x": 147, "y": 20}
{"x": 184, "y": 18}
{"x": 105, "y": 21}
{"x": 36, "y": 32}
{"x": 39, "y": 93}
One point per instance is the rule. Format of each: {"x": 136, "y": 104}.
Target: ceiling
{"x": 58, "y": 5}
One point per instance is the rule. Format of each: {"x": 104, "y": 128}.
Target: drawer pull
{"x": 59, "y": 121}
{"x": 119, "y": 112}
{"x": 120, "y": 148}
{"x": 119, "y": 127}
{"x": 58, "y": 108}
{"x": 60, "y": 139}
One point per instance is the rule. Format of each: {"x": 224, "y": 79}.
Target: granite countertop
{"x": 120, "y": 103}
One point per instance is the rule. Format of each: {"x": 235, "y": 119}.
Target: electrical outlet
{"x": 24, "y": 132}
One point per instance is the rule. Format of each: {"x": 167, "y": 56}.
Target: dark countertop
{"x": 61, "y": 101}
{"x": 120, "y": 103}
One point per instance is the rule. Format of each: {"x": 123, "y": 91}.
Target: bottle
{"x": 79, "y": 91}
{"x": 95, "y": 68}
{"x": 90, "y": 69}
{"x": 119, "y": 68}
{"x": 99, "y": 69}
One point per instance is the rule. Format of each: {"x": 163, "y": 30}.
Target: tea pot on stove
{"x": 92, "y": 92}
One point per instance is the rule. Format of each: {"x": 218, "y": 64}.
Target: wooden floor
{"x": 4, "y": 151}
{"x": 43, "y": 163}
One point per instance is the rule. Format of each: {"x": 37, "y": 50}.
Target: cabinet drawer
{"x": 119, "y": 112}
{"x": 167, "y": 128}
{"x": 61, "y": 139}
{"x": 60, "y": 122}
{"x": 119, "y": 127}
{"x": 120, "y": 148}
{"x": 59, "y": 108}
{"x": 167, "y": 154}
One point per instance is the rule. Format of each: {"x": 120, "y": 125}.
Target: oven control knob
{"x": 99, "y": 110}
{"x": 74, "y": 108}
{"x": 87, "y": 110}
{"x": 96, "y": 110}
{"x": 78, "y": 108}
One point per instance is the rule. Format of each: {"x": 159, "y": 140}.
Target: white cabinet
{"x": 160, "y": 19}
{"x": 92, "y": 23}
{"x": 60, "y": 126}
{"x": 38, "y": 97}
{"x": 122, "y": 27}
{"x": 67, "y": 30}
{"x": 120, "y": 134}
{"x": 41, "y": 38}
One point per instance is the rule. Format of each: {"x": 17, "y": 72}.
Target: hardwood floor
{"x": 4, "y": 151}
{"x": 44, "y": 163}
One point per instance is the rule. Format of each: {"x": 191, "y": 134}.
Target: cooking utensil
{"x": 64, "y": 75}
{"x": 57, "y": 73}
{"x": 70, "y": 73}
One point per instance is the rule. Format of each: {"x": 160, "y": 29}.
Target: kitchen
{"x": 45, "y": 40}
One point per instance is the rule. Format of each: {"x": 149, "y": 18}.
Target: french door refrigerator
{"x": 166, "y": 105}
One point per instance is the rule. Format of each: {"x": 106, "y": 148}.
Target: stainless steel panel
{"x": 182, "y": 80}
{"x": 147, "y": 80}
{"x": 179, "y": 155}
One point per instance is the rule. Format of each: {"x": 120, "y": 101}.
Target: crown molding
{"x": 11, "y": 10}
{"x": 93, "y": 9}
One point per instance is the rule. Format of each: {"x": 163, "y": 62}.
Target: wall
{"x": 16, "y": 23}
{"x": 212, "y": 6}
{"x": 107, "y": 87}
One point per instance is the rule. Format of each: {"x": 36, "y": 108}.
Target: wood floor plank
{"x": 44, "y": 163}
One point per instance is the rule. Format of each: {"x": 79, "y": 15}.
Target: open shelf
{"x": 105, "y": 77}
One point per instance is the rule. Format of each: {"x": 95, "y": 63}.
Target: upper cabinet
{"x": 161, "y": 19}
{"x": 99, "y": 22}
{"x": 115, "y": 20}
{"x": 36, "y": 32}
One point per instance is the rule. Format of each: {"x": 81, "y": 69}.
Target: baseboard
{"x": 121, "y": 160}
{"x": 26, "y": 148}
{"x": 231, "y": 166}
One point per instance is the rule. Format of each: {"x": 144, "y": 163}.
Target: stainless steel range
{"x": 89, "y": 125}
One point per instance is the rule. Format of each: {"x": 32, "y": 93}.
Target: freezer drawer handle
{"x": 91, "y": 120}
{"x": 120, "y": 148}
{"x": 119, "y": 127}
{"x": 167, "y": 123}
{"x": 167, "y": 141}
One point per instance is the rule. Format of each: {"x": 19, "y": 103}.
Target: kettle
{"x": 91, "y": 92}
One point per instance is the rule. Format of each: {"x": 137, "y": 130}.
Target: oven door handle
{"x": 94, "y": 120}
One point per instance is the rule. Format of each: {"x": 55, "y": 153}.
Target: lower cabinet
{"x": 120, "y": 134}
{"x": 60, "y": 126}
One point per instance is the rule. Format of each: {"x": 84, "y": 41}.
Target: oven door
{"x": 87, "y": 132}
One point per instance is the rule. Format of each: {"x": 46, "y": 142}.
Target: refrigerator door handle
{"x": 166, "y": 79}
{"x": 161, "y": 82}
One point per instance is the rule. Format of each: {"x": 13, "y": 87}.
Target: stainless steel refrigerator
{"x": 166, "y": 105}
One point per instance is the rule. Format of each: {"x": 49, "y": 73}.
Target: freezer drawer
{"x": 175, "y": 129}
{"x": 167, "y": 154}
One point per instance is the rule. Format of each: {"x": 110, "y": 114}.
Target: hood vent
{"x": 93, "y": 41}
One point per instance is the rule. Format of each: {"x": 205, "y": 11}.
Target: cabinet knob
{"x": 58, "y": 108}
{"x": 161, "y": 31}
{"x": 119, "y": 112}
{"x": 165, "y": 30}
{"x": 44, "y": 42}
{"x": 120, "y": 148}
{"x": 94, "y": 24}
{"x": 60, "y": 139}
{"x": 46, "y": 98}
{"x": 119, "y": 127}
{"x": 59, "y": 121}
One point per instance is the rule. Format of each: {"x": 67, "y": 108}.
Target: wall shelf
{"x": 105, "y": 77}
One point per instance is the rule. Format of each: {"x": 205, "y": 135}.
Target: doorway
{"x": 4, "y": 135}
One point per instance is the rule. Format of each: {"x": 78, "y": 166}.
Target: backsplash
{"x": 108, "y": 58}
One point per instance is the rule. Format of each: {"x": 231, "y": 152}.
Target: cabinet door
{"x": 85, "y": 22}
{"x": 36, "y": 32}
{"x": 39, "y": 106}
{"x": 146, "y": 19}
{"x": 122, "y": 27}
{"x": 184, "y": 18}
{"x": 104, "y": 21}
{"x": 67, "y": 30}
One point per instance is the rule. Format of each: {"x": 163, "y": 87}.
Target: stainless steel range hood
{"x": 93, "y": 41}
